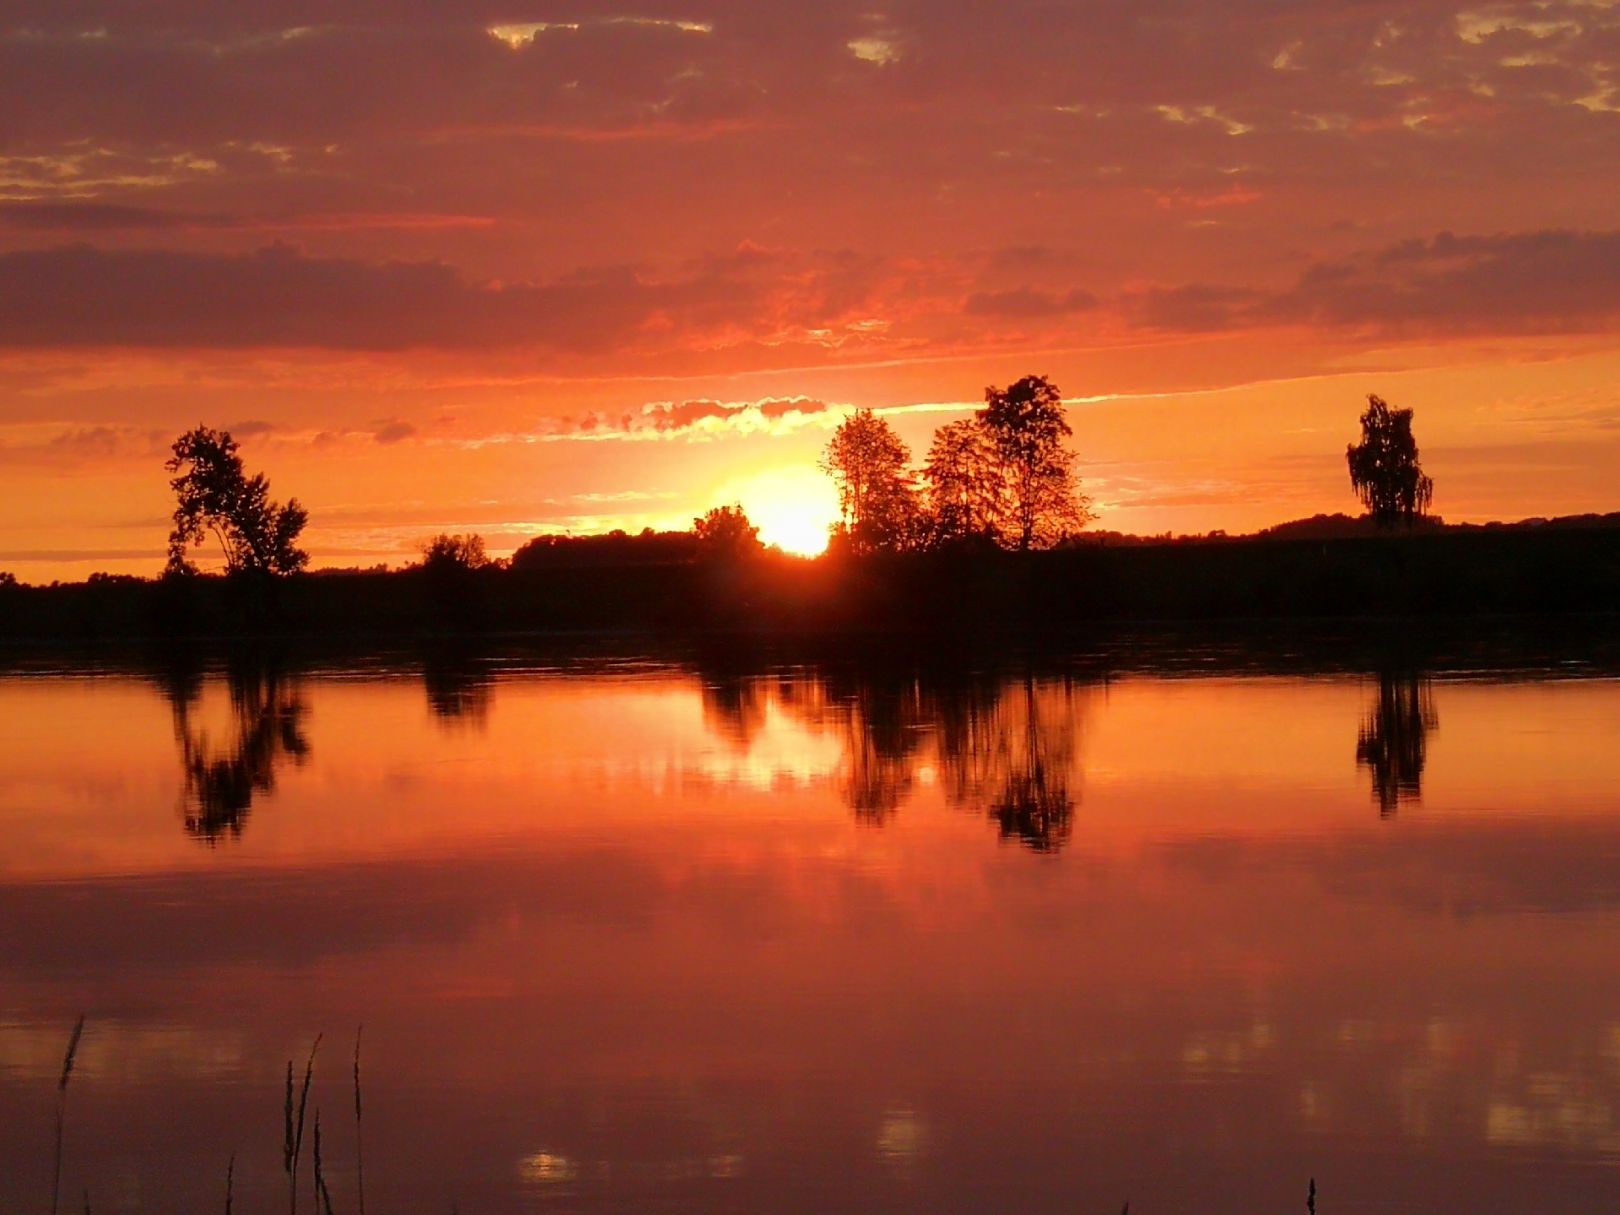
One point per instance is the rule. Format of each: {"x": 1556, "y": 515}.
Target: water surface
{"x": 635, "y": 935}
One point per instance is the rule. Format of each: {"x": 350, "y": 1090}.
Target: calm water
{"x": 627, "y": 936}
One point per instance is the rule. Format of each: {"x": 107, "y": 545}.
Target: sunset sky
{"x": 525, "y": 267}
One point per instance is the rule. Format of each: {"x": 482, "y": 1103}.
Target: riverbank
{"x": 1435, "y": 576}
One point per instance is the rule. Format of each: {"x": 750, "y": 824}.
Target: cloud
{"x": 97, "y": 217}
{"x": 696, "y": 419}
{"x": 93, "y": 217}
{"x": 1540, "y": 281}
{"x": 1547, "y": 279}
{"x": 1195, "y": 307}
{"x": 71, "y": 445}
{"x": 1029, "y": 302}
{"x": 393, "y": 432}
{"x": 278, "y": 296}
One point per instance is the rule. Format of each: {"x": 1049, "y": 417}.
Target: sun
{"x": 794, "y": 506}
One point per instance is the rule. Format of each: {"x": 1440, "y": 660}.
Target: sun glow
{"x": 794, "y": 507}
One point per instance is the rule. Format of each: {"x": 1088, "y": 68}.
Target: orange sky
{"x": 475, "y": 267}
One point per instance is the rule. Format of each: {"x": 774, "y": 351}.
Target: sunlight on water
{"x": 688, "y": 936}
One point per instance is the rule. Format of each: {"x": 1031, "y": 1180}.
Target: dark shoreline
{"x": 1429, "y": 580}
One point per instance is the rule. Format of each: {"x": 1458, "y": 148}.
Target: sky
{"x": 532, "y": 267}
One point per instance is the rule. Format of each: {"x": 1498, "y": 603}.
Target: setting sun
{"x": 794, "y": 507}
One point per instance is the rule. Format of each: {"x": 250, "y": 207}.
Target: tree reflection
{"x": 1013, "y": 752}
{"x": 885, "y": 722}
{"x": 734, "y": 708}
{"x": 226, "y": 770}
{"x": 1393, "y": 740}
{"x": 459, "y": 688}
{"x": 1006, "y": 748}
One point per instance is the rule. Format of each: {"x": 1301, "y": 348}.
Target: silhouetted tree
{"x": 1393, "y": 740}
{"x": 1384, "y": 468}
{"x": 615, "y": 548}
{"x": 966, "y": 489}
{"x": 216, "y": 497}
{"x": 876, "y": 495}
{"x": 1041, "y": 502}
{"x": 7, "y": 578}
{"x": 458, "y": 552}
{"x": 725, "y": 532}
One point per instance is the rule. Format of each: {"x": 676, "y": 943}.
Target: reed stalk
{"x": 323, "y": 1195}
{"x": 61, "y": 1110}
{"x": 293, "y": 1144}
{"x": 359, "y": 1142}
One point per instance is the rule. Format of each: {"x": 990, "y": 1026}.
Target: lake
{"x": 695, "y": 934}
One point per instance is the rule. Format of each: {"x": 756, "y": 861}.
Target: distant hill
{"x": 1340, "y": 527}
{"x": 1350, "y": 527}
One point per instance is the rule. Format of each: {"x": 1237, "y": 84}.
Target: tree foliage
{"x": 1038, "y": 499}
{"x": 215, "y": 496}
{"x": 965, "y": 486}
{"x": 1003, "y": 476}
{"x": 1384, "y": 468}
{"x": 457, "y": 552}
{"x": 876, "y": 495}
{"x": 725, "y": 532}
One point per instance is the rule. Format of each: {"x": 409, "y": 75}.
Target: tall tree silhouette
{"x": 966, "y": 489}
{"x": 1384, "y": 468}
{"x": 1041, "y": 501}
{"x": 876, "y": 496}
{"x": 215, "y": 496}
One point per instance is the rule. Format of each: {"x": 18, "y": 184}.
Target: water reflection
{"x": 459, "y": 687}
{"x": 733, "y": 707}
{"x": 226, "y": 769}
{"x": 1393, "y": 740}
{"x": 884, "y": 723}
{"x": 1003, "y": 747}
{"x": 666, "y": 962}
{"x": 1017, "y": 753}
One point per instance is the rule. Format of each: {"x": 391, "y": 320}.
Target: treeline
{"x": 1438, "y": 575}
